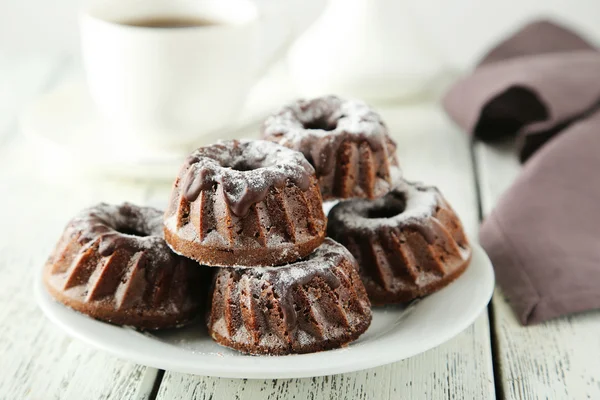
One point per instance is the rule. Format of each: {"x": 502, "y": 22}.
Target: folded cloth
{"x": 543, "y": 85}
{"x": 533, "y": 84}
{"x": 543, "y": 237}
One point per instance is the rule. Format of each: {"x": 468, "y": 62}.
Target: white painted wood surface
{"x": 558, "y": 359}
{"x": 37, "y": 360}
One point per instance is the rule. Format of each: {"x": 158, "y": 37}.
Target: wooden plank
{"x": 430, "y": 150}
{"x": 554, "y": 360}
{"x": 459, "y": 369}
{"x": 38, "y": 360}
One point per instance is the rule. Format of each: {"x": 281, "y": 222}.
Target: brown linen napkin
{"x": 547, "y": 78}
{"x": 544, "y": 235}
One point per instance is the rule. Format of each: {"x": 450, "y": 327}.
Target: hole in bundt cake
{"x": 250, "y": 162}
{"x": 393, "y": 206}
{"x": 132, "y": 232}
{"x": 321, "y": 124}
{"x": 245, "y": 165}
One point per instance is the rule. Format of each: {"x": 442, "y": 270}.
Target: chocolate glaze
{"x": 424, "y": 229}
{"x": 126, "y": 227}
{"x": 286, "y": 292}
{"x": 245, "y": 170}
{"x": 303, "y": 124}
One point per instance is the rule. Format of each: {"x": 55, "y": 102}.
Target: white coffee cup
{"x": 169, "y": 86}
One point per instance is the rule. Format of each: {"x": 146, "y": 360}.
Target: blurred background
{"x": 460, "y": 30}
{"x": 382, "y": 51}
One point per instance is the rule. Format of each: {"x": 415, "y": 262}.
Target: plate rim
{"x": 254, "y": 367}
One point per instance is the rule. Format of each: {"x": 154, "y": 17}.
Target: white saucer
{"x": 65, "y": 126}
{"x": 395, "y": 333}
{"x": 70, "y": 135}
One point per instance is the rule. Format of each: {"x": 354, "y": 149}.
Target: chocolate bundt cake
{"x": 346, "y": 142}
{"x": 113, "y": 264}
{"x": 315, "y": 304}
{"x": 408, "y": 243}
{"x": 247, "y": 202}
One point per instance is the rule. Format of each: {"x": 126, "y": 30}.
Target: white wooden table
{"x": 494, "y": 358}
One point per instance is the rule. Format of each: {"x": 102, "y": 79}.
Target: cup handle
{"x": 276, "y": 22}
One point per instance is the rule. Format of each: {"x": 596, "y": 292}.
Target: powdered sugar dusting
{"x": 246, "y": 170}
{"x": 421, "y": 201}
{"x": 319, "y": 126}
{"x": 324, "y": 116}
{"x": 125, "y": 225}
{"x": 323, "y": 258}
{"x": 419, "y": 204}
{"x": 128, "y": 216}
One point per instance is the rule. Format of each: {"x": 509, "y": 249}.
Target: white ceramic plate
{"x": 395, "y": 333}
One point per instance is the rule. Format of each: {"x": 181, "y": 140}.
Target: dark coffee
{"x": 170, "y": 22}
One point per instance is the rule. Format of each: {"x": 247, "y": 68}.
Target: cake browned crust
{"x": 346, "y": 142}
{"x": 247, "y": 202}
{"x": 113, "y": 264}
{"x": 408, "y": 244}
{"x": 315, "y": 304}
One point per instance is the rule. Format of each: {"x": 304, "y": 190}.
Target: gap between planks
{"x": 495, "y": 347}
{"x": 160, "y": 374}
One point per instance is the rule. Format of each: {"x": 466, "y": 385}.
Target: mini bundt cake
{"x": 247, "y": 202}
{"x": 113, "y": 264}
{"x": 346, "y": 142}
{"x": 315, "y": 304}
{"x": 408, "y": 243}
